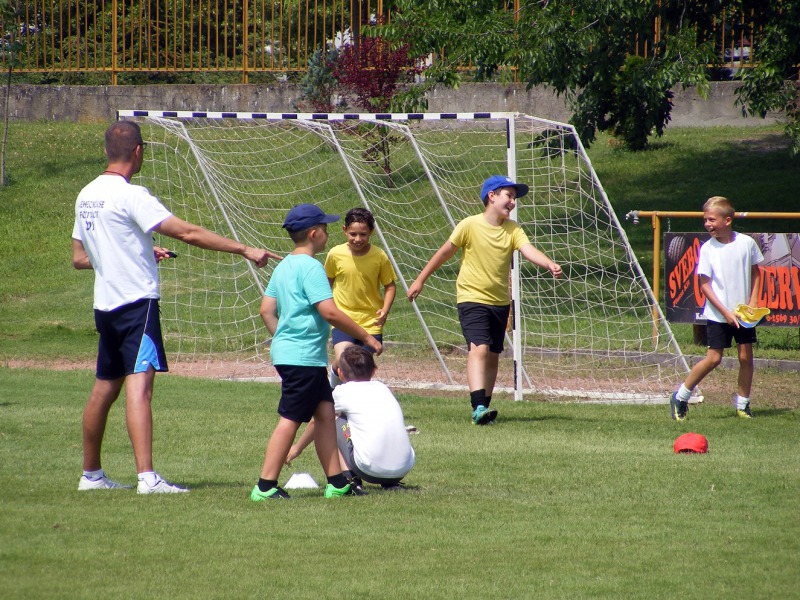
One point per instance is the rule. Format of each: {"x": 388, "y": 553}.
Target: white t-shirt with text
{"x": 113, "y": 221}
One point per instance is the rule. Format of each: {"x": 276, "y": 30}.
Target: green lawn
{"x": 554, "y": 501}
{"x": 557, "y": 500}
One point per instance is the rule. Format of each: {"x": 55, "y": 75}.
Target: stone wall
{"x": 99, "y": 103}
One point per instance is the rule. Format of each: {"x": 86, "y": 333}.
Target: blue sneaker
{"x": 678, "y": 408}
{"x": 482, "y": 415}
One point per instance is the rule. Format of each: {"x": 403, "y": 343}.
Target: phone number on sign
{"x": 783, "y": 319}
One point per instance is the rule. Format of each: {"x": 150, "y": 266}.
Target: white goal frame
{"x": 321, "y": 125}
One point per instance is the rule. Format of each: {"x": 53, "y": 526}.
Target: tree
{"x": 319, "y": 84}
{"x": 9, "y": 46}
{"x": 580, "y": 48}
{"x": 772, "y": 84}
{"x": 375, "y": 73}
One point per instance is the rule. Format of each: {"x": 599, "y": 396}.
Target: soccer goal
{"x": 596, "y": 333}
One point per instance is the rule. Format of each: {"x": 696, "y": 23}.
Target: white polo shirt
{"x": 114, "y": 221}
{"x": 381, "y": 447}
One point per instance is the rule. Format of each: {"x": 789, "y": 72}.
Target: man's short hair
{"x": 721, "y": 204}
{"x": 122, "y": 137}
{"x": 357, "y": 364}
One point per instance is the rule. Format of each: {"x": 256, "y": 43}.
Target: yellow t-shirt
{"x": 357, "y": 282}
{"x": 486, "y": 259}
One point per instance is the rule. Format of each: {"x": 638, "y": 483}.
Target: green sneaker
{"x": 348, "y": 490}
{"x": 276, "y": 493}
{"x": 482, "y": 415}
{"x": 744, "y": 413}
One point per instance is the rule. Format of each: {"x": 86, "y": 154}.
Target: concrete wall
{"x": 100, "y": 103}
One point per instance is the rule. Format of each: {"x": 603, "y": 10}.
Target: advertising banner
{"x": 780, "y": 277}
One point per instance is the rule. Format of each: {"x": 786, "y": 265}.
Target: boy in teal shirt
{"x": 298, "y": 309}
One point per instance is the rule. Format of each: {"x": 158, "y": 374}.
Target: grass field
{"x": 554, "y": 501}
{"x": 557, "y": 500}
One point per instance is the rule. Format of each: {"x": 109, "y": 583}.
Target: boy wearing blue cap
{"x": 484, "y": 303}
{"x": 298, "y": 309}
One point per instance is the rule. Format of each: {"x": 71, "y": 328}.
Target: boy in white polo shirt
{"x": 371, "y": 431}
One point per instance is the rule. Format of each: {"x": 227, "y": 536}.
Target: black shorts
{"x": 484, "y": 324}
{"x": 302, "y": 389}
{"x": 130, "y": 340}
{"x": 338, "y": 337}
{"x": 719, "y": 335}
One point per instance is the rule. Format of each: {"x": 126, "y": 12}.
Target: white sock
{"x": 94, "y": 475}
{"x": 149, "y": 477}
{"x": 683, "y": 394}
{"x": 741, "y": 403}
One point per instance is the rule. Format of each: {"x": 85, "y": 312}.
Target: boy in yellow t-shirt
{"x": 482, "y": 295}
{"x": 356, "y": 271}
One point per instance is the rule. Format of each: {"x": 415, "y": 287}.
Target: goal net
{"x": 595, "y": 333}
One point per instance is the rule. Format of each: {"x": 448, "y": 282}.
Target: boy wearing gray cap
{"x": 298, "y": 309}
{"x": 488, "y": 241}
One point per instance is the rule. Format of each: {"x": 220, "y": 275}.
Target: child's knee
{"x": 714, "y": 359}
{"x": 478, "y": 350}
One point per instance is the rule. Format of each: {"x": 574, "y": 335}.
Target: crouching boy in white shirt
{"x": 373, "y": 442}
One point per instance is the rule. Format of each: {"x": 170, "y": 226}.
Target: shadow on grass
{"x": 771, "y": 412}
{"x": 758, "y": 413}
{"x": 501, "y": 419}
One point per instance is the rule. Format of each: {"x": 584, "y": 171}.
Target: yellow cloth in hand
{"x": 750, "y": 315}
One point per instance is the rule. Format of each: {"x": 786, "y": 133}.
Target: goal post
{"x": 597, "y": 333}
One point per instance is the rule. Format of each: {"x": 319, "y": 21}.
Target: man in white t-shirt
{"x": 113, "y": 234}
{"x": 373, "y": 441}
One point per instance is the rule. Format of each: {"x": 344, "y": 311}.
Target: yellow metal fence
{"x": 245, "y": 36}
{"x": 119, "y": 36}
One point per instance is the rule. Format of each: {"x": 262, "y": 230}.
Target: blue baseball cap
{"x": 305, "y": 216}
{"x": 495, "y": 182}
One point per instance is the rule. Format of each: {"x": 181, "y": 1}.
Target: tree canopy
{"x": 584, "y": 50}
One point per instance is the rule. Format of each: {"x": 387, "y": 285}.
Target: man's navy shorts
{"x": 130, "y": 340}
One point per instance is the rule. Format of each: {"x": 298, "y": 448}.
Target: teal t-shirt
{"x": 298, "y": 283}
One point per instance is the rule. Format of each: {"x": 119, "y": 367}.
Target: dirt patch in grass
{"x": 772, "y": 388}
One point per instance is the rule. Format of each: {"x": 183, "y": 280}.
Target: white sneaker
{"x": 162, "y": 486}
{"x": 104, "y": 483}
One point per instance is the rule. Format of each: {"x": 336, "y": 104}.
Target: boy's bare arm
{"x": 389, "y": 292}
{"x": 755, "y": 285}
{"x": 705, "y": 287}
{"x": 442, "y": 255}
{"x": 269, "y": 313}
{"x": 539, "y": 258}
{"x": 331, "y": 313}
{"x": 301, "y": 444}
